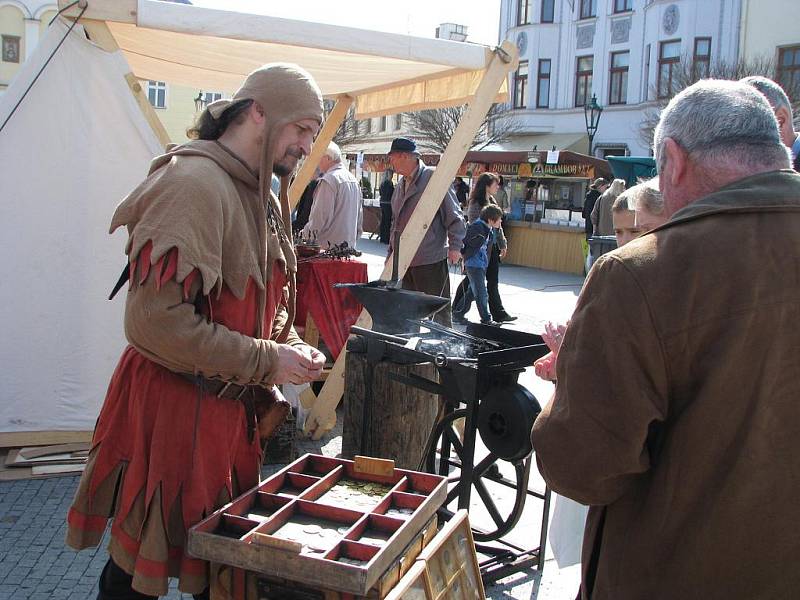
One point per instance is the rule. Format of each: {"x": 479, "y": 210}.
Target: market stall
{"x": 544, "y": 226}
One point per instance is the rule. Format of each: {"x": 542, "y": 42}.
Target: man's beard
{"x": 288, "y": 162}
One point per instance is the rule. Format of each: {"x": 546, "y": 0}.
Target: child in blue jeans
{"x": 477, "y": 241}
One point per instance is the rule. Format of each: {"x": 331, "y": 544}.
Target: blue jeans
{"x": 477, "y": 291}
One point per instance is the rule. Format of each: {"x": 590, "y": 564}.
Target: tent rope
{"x": 49, "y": 58}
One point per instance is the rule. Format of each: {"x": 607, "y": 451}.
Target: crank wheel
{"x": 445, "y": 457}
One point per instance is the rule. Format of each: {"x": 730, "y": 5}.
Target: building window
{"x": 382, "y": 123}
{"x": 209, "y": 97}
{"x": 618, "y": 88}
{"x": 701, "y": 61}
{"x": 789, "y": 68}
{"x": 548, "y": 11}
{"x": 11, "y": 48}
{"x": 583, "y": 80}
{"x": 543, "y": 84}
{"x": 646, "y": 75}
{"x": 623, "y": 5}
{"x": 588, "y": 9}
{"x": 398, "y": 120}
{"x": 669, "y": 58}
{"x": 524, "y": 10}
{"x": 157, "y": 93}
{"x": 521, "y": 85}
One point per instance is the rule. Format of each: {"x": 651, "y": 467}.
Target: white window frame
{"x": 156, "y": 86}
{"x": 209, "y": 97}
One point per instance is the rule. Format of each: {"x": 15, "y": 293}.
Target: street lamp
{"x": 591, "y": 113}
{"x": 199, "y": 102}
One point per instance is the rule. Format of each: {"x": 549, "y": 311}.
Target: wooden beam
{"x": 324, "y": 137}
{"x": 121, "y": 11}
{"x": 147, "y": 110}
{"x": 100, "y": 34}
{"x": 20, "y": 439}
{"x": 322, "y": 416}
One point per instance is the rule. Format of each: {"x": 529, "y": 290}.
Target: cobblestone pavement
{"x": 35, "y": 564}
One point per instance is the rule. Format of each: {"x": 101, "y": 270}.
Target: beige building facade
{"x": 21, "y": 26}
{"x": 771, "y": 29}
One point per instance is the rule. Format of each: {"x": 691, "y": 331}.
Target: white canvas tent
{"x": 84, "y": 134}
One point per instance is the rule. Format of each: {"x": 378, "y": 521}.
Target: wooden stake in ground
{"x": 322, "y": 417}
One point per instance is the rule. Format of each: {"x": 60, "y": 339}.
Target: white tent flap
{"x": 74, "y": 147}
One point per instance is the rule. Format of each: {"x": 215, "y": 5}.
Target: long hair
{"x": 206, "y": 127}
{"x": 479, "y": 195}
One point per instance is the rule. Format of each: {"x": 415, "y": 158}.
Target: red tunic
{"x": 164, "y": 455}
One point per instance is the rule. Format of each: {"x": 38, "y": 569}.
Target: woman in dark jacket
{"x": 482, "y": 195}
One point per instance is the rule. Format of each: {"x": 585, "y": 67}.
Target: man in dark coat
{"x": 597, "y": 188}
{"x": 675, "y": 415}
{"x": 385, "y": 191}
{"x": 304, "y": 206}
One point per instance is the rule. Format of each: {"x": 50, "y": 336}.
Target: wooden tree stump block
{"x": 396, "y": 422}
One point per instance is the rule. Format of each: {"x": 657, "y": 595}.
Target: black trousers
{"x": 492, "y": 286}
{"x": 115, "y": 584}
{"x": 386, "y": 222}
{"x": 434, "y": 280}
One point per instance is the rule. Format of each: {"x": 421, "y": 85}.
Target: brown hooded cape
{"x": 211, "y": 293}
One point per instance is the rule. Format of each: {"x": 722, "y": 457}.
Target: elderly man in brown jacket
{"x": 676, "y": 415}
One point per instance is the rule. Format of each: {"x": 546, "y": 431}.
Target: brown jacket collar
{"x": 773, "y": 191}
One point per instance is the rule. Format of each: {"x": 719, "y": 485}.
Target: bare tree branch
{"x": 350, "y": 131}
{"x": 686, "y": 74}
{"x": 434, "y": 128}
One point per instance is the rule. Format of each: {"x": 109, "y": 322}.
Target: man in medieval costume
{"x": 209, "y": 318}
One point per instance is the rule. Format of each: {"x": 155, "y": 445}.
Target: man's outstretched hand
{"x": 299, "y": 364}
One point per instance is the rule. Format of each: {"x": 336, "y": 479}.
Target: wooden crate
{"x": 261, "y": 587}
{"x": 274, "y": 528}
{"x": 447, "y": 569}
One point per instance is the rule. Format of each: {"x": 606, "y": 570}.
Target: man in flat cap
{"x": 208, "y": 316}
{"x": 428, "y": 271}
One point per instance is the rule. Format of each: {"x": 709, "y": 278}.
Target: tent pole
{"x": 101, "y": 35}
{"x": 324, "y": 137}
{"x": 147, "y": 110}
{"x": 322, "y": 417}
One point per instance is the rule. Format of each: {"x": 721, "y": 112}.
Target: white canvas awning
{"x": 67, "y": 164}
{"x": 574, "y": 142}
{"x": 216, "y": 49}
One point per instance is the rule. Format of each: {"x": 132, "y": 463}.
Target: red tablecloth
{"x": 334, "y": 310}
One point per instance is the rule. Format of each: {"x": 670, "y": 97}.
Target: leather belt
{"x": 221, "y": 389}
{"x": 230, "y": 391}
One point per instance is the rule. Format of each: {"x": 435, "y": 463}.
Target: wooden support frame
{"x": 322, "y": 417}
{"x": 100, "y": 34}
{"x": 122, "y": 11}
{"x": 20, "y": 439}
{"x": 324, "y": 137}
